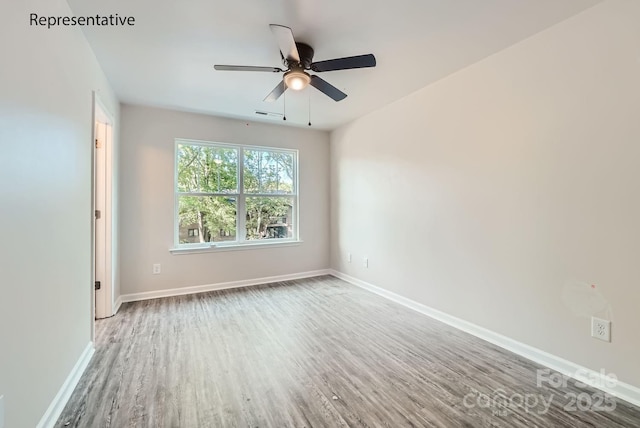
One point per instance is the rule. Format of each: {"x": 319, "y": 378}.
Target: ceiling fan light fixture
{"x": 298, "y": 57}
{"x": 297, "y": 79}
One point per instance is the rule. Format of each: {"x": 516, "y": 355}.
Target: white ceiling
{"x": 167, "y": 58}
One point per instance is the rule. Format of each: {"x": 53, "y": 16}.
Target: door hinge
{"x": 97, "y": 285}
{"x": 98, "y": 214}
{"x": 98, "y": 145}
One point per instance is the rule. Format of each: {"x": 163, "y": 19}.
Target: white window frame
{"x": 241, "y": 241}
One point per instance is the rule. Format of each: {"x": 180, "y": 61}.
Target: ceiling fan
{"x": 298, "y": 57}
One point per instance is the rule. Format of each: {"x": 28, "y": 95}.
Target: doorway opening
{"x": 103, "y": 249}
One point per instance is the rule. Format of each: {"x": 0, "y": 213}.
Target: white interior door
{"x": 103, "y": 237}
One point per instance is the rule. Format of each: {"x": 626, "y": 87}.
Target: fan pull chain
{"x": 309, "y": 109}
{"x": 284, "y": 106}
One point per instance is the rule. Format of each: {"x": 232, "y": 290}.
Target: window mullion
{"x": 241, "y": 218}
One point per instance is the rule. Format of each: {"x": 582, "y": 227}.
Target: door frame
{"x": 102, "y": 302}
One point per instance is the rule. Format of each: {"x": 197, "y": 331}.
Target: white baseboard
{"x": 587, "y": 376}
{"x": 134, "y": 297}
{"x": 116, "y": 306}
{"x": 57, "y": 405}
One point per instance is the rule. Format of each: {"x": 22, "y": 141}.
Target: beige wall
{"x": 46, "y": 83}
{"x": 501, "y": 193}
{"x": 146, "y": 204}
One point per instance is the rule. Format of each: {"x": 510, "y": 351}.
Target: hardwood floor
{"x": 310, "y": 353}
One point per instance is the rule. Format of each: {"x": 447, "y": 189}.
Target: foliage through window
{"x": 232, "y": 194}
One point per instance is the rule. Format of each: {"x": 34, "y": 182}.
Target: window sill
{"x": 232, "y": 247}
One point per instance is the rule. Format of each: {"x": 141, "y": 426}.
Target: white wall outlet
{"x": 365, "y": 262}
{"x": 1, "y": 411}
{"x": 349, "y": 257}
{"x": 601, "y": 329}
{"x": 157, "y": 268}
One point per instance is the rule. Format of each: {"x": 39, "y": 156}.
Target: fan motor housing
{"x": 305, "y": 52}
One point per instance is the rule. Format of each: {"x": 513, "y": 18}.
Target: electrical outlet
{"x": 366, "y": 262}
{"x": 1, "y": 411}
{"x": 157, "y": 269}
{"x": 601, "y": 329}
{"x": 349, "y": 257}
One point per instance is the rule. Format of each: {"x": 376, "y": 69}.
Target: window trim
{"x": 236, "y": 247}
{"x": 241, "y": 242}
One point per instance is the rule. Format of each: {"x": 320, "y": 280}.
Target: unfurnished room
{"x": 299, "y": 213}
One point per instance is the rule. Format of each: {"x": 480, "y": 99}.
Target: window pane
{"x": 268, "y": 172}
{"x": 207, "y": 169}
{"x": 206, "y": 219}
{"x": 269, "y": 217}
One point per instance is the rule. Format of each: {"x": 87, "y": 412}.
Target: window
{"x": 231, "y": 195}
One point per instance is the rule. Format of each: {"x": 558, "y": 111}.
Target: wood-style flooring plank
{"x": 316, "y": 352}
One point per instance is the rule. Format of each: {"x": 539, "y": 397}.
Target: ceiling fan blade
{"x": 246, "y": 68}
{"x": 287, "y": 43}
{"x": 327, "y": 88}
{"x": 277, "y": 91}
{"x": 359, "y": 61}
